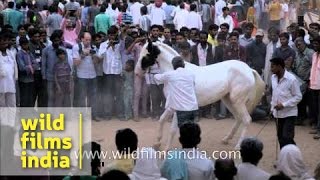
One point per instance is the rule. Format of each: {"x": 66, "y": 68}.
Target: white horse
{"x": 238, "y": 86}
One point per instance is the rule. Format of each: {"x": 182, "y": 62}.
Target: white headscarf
{"x": 291, "y": 163}
{"x": 146, "y": 167}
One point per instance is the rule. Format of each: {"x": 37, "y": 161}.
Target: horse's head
{"x": 152, "y": 53}
{"x": 148, "y": 57}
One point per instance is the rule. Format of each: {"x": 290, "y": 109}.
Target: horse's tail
{"x": 258, "y": 91}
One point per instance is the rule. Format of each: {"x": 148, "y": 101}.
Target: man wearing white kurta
{"x": 225, "y": 18}
{"x": 180, "y": 91}
{"x": 180, "y": 18}
{"x": 8, "y": 126}
{"x": 194, "y": 19}
{"x": 135, "y": 12}
{"x": 218, "y": 9}
{"x": 157, "y": 16}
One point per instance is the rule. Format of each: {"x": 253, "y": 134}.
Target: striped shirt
{"x": 62, "y": 71}
{"x": 126, "y": 18}
{"x": 145, "y": 23}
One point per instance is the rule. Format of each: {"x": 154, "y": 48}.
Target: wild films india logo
{"x": 47, "y": 140}
{"x": 37, "y": 142}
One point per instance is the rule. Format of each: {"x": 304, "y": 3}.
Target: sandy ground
{"x": 212, "y": 133}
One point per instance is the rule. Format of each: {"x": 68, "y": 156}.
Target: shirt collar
{"x": 52, "y": 48}
{"x": 85, "y": 47}
{"x": 24, "y": 51}
{"x": 305, "y": 51}
{"x": 246, "y": 39}
{"x": 7, "y": 51}
{"x": 284, "y": 48}
{"x": 224, "y": 17}
{"x": 199, "y": 45}
{"x": 234, "y": 48}
{"x": 286, "y": 74}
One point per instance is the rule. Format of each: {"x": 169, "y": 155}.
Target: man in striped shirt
{"x": 144, "y": 21}
{"x": 124, "y": 17}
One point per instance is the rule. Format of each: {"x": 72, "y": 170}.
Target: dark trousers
{"x": 185, "y": 116}
{"x": 275, "y": 24}
{"x": 113, "y": 99}
{"x": 50, "y": 93}
{"x": 40, "y": 90}
{"x": 100, "y": 83}
{"x": 206, "y": 26}
{"x": 304, "y": 104}
{"x": 91, "y": 30}
{"x": 157, "y": 100}
{"x": 26, "y": 94}
{"x": 63, "y": 98}
{"x": 285, "y": 130}
{"x": 128, "y": 102}
{"x": 315, "y": 110}
{"x": 170, "y": 26}
{"x": 205, "y": 111}
{"x": 17, "y": 94}
{"x": 85, "y": 96}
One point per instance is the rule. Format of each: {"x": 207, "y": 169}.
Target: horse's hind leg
{"x": 236, "y": 124}
{"x": 246, "y": 119}
{"x": 165, "y": 116}
{"x": 173, "y": 131}
{"x": 234, "y": 129}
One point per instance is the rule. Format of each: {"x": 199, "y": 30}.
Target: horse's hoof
{"x": 166, "y": 149}
{"x": 156, "y": 146}
{"x": 159, "y": 139}
{"x": 224, "y": 141}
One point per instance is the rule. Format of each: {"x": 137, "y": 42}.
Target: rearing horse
{"x": 238, "y": 86}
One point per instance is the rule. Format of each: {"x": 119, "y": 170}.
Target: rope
{"x": 269, "y": 119}
{"x": 277, "y": 143}
{"x": 276, "y": 121}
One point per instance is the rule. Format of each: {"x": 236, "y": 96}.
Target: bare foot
{"x": 136, "y": 120}
{"x": 159, "y": 138}
{"x": 156, "y": 146}
{"x": 237, "y": 147}
{"x": 166, "y": 150}
{"x": 225, "y": 141}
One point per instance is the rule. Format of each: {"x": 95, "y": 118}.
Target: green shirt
{"x": 102, "y": 23}
{"x": 5, "y": 14}
{"x": 13, "y": 17}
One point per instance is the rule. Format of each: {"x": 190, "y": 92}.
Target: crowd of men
{"x": 83, "y": 54}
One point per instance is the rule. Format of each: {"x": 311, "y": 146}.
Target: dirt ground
{"x": 212, "y": 133}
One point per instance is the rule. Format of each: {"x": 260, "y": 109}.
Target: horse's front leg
{"x": 165, "y": 116}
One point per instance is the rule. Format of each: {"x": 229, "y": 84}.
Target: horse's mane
{"x": 168, "y": 48}
{"x": 154, "y": 51}
{"x": 150, "y": 59}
